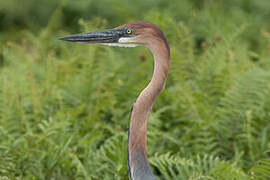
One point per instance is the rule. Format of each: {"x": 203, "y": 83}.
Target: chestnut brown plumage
{"x": 130, "y": 35}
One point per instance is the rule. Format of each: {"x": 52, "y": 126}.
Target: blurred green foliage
{"x": 65, "y": 108}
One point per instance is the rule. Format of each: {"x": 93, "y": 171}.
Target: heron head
{"x": 127, "y": 35}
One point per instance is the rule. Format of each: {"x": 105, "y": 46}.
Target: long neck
{"x": 139, "y": 168}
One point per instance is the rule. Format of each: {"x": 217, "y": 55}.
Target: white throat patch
{"x": 122, "y": 42}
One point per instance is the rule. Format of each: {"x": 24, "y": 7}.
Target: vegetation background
{"x": 65, "y": 108}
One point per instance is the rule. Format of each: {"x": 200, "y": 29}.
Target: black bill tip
{"x": 62, "y": 38}
{"x": 77, "y": 38}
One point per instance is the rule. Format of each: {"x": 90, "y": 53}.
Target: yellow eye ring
{"x": 128, "y": 31}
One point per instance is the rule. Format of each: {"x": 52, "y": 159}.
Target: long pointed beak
{"x": 106, "y": 36}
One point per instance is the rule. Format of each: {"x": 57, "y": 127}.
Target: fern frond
{"x": 241, "y": 112}
{"x": 206, "y": 167}
{"x": 110, "y": 160}
{"x": 261, "y": 170}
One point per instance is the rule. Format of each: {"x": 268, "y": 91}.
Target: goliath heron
{"x": 131, "y": 35}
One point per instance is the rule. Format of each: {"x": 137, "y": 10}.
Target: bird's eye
{"x": 128, "y": 31}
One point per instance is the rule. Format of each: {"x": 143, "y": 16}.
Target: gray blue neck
{"x": 140, "y": 170}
